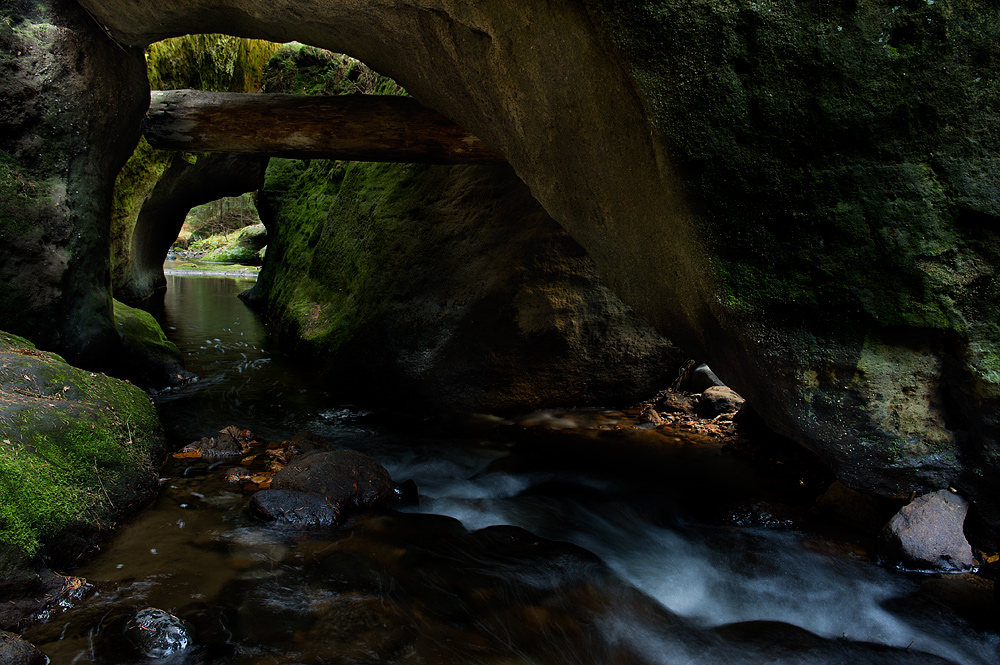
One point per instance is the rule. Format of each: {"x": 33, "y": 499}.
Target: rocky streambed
{"x": 649, "y": 535}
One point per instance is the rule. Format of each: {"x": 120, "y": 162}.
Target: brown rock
{"x": 15, "y": 651}
{"x": 676, "y": 402}
{"x": 719, "y": 399}
{"x": 927, "y": 534}
{"x": 649, "y": 415}
{"x": 344, "y": 477}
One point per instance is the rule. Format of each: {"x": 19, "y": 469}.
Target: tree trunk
{"x": 367, "y": 128}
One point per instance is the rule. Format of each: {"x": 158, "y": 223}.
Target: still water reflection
{"x": 456, "y": 580}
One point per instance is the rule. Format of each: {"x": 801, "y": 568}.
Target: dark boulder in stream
{"x": 15, "y": 651}
{"x": 158, "y": 634}
{"x": 320, "y": 488}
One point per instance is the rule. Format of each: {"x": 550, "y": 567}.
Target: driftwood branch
{"x": 372, "y": 128}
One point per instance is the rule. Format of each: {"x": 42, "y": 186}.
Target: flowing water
{"x": 528, "y": 545}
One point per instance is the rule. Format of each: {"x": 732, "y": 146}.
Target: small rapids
{"x": 529, "y": 545}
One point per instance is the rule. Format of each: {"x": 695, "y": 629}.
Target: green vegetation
{"x": 220, "y": 218}
{"x": 820, "y": 139}
{"x": 142, "y": 331}
{"x": 307, "y": 70}
{"x": 334, "y": 222}
{"x": 74, "y": 448}
{"x": 338, "y": 220}
{"x": 218, "y": 63}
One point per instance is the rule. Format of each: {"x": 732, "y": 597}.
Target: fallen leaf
{"x": 187, "y": 453}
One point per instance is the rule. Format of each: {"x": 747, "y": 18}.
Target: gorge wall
{"x": 156, "y": 188}
{"x": 70, "y": 104}
{"x": 801, "y": 193}
{"x": 444, "y": 287}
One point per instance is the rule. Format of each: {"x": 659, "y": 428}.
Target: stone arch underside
{"x": 546, "y": 85}
{"x": 539, "y": 85}
{"x": 182, "y": 187}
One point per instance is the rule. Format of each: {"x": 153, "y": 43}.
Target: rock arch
{"x": 777, "y": 187}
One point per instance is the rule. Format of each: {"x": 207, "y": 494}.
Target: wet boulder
{"x": 649, "y": 418}
{"x": 751, "y": 642}
{"x": 716, "y": 400}
{"x": 303, "y": 509}
{"x": 158, "y": 634}
{"x": 231, "y": 442}
{"x": 16, "y": 651}
{"x": 406, "y": 493}
{"x": 676, "y": 403}
{"x": 927, "y": 534}
{"x": 347, "y": 477}
{"x": 319, "y": 489}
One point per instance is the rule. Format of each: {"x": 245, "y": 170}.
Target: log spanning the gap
{"x": 368, "y": 128}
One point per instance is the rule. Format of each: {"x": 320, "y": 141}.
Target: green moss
{"x": 142, "y": 330}
{"x": 205, "y": 62}
{"x": 307, "y": 70}
{"x": 132, "y": 186}
{"x": 822, "y": 141}
{"x": 219, "y": 63}
{"x": 336, "y": 224}
{"x": 74, "y": 447}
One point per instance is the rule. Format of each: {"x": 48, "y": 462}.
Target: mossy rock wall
{"x": 803, "y": 192}
{"x": 845, "y": 157}
{"x": 156, "y": 188}
{"x": 78, "y": 452}
{"x": 446, "y": 287}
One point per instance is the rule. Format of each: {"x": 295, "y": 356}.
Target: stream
{"x": 559, "y": 544}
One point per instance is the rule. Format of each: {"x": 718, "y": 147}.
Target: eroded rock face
{"x": 446, "y": 287}
{"x": 804, "y": 192}
{"x": 71, "y": 101}
{"x": 156, "y": 188}
{"x": 183, "y": 185}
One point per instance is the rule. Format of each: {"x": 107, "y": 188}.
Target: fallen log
{"x": 367, "y": 128}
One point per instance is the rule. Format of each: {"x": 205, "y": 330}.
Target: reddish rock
{"x": 926, "y": 534}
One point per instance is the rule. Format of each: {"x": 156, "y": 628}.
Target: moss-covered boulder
{"x": 78, "y": 452}
{"x": 147, "y": 357}
{"x": 242, "y": 246}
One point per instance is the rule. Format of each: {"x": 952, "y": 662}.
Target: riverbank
{"x": 190, "y": 268}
